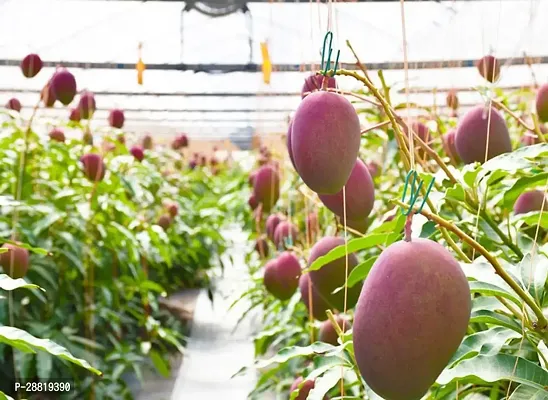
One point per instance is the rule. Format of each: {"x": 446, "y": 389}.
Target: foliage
{"x": 96, "y": 286}
{"x": 504, "y": 354}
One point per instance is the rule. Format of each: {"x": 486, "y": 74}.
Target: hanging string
{"x": 488, "y": 136}
{"x": 406, "y": 72}
{"x": 535, "y": 240}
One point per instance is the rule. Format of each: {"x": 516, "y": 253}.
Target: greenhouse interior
{"x": 274, "y": 200}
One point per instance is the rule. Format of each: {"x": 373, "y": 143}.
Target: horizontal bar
{"x": 188, "y": 110}
{"x": 194, "y": 120}
{"x": 418, "y": 90}
{"x": 321, "y": 1}
{"x": 180, "y": 94}
{"x": 253, "y": 67}
{"x": 422, "y": 90}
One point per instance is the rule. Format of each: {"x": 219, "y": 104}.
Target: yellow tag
{"x": 140, "y": 69}
{"x": 267, "y": 66}
{"x": 140, "y": 66}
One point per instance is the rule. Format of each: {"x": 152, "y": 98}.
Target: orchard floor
{"x": 216, "y": 348}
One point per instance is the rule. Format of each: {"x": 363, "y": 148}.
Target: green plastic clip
{"x": 414, "y": 192}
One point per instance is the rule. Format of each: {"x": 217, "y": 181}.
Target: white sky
{"x": 96, "y": 31}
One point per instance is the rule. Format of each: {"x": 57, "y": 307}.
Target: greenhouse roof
{"x": 110, "y": 31}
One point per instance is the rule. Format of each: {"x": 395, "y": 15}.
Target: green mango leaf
{"x": 455, "y": 193}
{"x": 7, "y": 283}
{"x": 493, "y": 318}
{"x": 488, "y": 289}
{"x": 534, "y": 273}
{"x": 44, "y": 365}
{"x": 46, "y": 222}
{"x": 487, "y": 342}
{"x": 486, "y": 303}
{"x": 395, "y": 225}
{"x": 428, "y": 229}
{"x": 543, "y": 350}
{"x": 288, "y": 353}
{"x": 361, "y": 271}
{"x": 152, "y": 286}
{"x": 533, "y": 218}
{"x": 481, "y": 270}
{"x": 24, "y": 341}
{"x": 325, "y": 383}
{"x": 160, "y": 364}
{"x": 519, "y": 159}
{"x": 511, "y": 195}
{"x": 470, "y": 173}
{"x": 494, "y": 368}
{"x": 36, "y": 250}
{"x": 371, "y": 240}
{"x": 4, "y": 396}
{"x": 524, "y": 392}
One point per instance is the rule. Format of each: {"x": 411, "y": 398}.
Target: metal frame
{"x": 412, "y": 90}
{"x": 321, "y": 1}
{"x": 253, "y": 67}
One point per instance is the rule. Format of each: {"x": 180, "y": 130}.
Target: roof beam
{"x": 253, "y": 67}
{"x": 412, "y": 91}
{"x": 171, "y": 94}
{"x": 321, "y": 1}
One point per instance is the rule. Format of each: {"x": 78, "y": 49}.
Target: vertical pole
{"x": 249, "y": 19}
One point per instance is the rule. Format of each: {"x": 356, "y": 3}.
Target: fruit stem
{"x": 513, "y": 310}
{"x": 407, "y": 228}
{"x": 505, "y": 239}
{"x": 539, "y": 133}
{"x": 334, "y": 323}
{"x": 340, "y": 333}
{"x": 357, "y": 96}
{"x": 501, "y": 106}
{"x": 376, "y": 126}
{"x": 542, "y": 323}
{"x": 400, "y": 137}
{"x": 454, "y": 246}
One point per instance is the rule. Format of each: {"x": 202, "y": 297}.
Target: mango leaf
{"x": 152, "y": 286}
{"x": 428, "y": 229}
{"x": 395, "y": 225}
{"x": 7, "y": 283}
{"x": 371, "y": 240}
{"x": 524, "y": 392}
{"x": 533, "y": 218}
{"x": 4, "y": 396}
{"x": 24, "y": 341}
{"x": 493, "y": 318}
{"x": 323, "y": 364}
{"x": 481, "y": 270}
{"x": 488, "y": 289}
{"x": 534, "y": 273}
{"x": 288, "y": 353}
{"x": 46, "y": 222}
{"x": 544, "y": 351}
{"x": 36, "y": 250}
{"x": 486, "y": 303}
{"x": 487, "y": 342}
{"x": 511, "y": 195}
{"x": 161, "y": 366}
{"x": 44, "y": 365}
{"x": 359, "y": 273}
{"x": 455, "y": 193}
{"x": 519, "y": 159}
{"x": 493, "y": 368}
{"x": 324, "y": 383}
{"x": 470, "y": 173}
